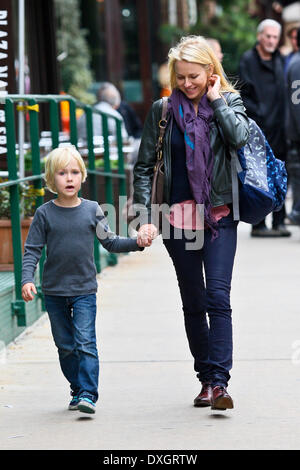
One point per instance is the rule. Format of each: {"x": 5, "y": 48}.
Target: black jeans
{"x": 210, "y": 342}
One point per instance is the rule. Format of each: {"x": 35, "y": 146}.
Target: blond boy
{"x": 67, "y": 226}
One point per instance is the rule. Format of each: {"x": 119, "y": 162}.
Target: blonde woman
{"x": 67, "y": 226}
{"x": 204, "y": 110}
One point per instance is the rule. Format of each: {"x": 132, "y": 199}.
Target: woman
{"x": 205, "y": 113}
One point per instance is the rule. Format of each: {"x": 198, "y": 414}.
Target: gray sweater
{"x": 69, "y": 233}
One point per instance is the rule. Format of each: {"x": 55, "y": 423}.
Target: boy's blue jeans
{"x": 205, "y": 294}
{"x": 73, "y": 328}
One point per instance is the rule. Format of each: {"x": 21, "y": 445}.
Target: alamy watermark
{"x": 179, "y": 221}
{"x": 296, "y": 94}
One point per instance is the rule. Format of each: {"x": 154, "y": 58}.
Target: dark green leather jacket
{"x": 229, "y": 118}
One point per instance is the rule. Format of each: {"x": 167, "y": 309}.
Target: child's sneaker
{"x": 86, "y": 405}
{"x": 73, "y": 405}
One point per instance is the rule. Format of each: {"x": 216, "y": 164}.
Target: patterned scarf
{"x": 199, "y": 156}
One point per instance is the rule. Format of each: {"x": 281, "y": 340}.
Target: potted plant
{"x": 27, "y": 209}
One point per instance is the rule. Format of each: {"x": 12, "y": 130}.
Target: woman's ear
{"x": 210, "y": 70}
{"x": 209, "y": 73}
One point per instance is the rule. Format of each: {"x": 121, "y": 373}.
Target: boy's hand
{"x": 27, "y": 290}
{"x": 146, "y": 234}
{"x": 144, "y": 239}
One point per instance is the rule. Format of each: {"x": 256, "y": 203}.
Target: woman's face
{"x": 191, "y": 79}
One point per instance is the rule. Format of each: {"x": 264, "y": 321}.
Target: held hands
{"x": 27, "y": 290}
{"x": 146, "y": 234}
{"x": 213, "y": 87}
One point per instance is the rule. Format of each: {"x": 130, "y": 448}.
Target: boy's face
{"x": 68, "y": 180}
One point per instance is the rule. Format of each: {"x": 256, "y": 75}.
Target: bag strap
{"x": 235, "y": 169}
{"x": 162, "y": 124}
{"x": 235, "y": 165}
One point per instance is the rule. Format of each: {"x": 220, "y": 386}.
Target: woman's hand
{"x": 27, "y": 290}
{"x": 146, "y": 234}
{"x": 213, "y": 87}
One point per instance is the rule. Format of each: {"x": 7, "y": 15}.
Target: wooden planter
{"x": 6, "y": 246}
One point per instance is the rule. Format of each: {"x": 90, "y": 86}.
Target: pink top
{"x": 187, "y": 215}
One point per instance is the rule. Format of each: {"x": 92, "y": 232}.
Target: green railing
{"x": 30, "y": 104}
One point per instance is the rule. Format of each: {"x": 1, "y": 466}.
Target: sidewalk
{"x": 147, "y": 381}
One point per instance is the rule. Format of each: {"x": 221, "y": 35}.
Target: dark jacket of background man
{"x": 263, "y": 93}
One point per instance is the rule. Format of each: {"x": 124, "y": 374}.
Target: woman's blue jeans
{"x": 73, "y": 328}
{"x": 207, "y": 294}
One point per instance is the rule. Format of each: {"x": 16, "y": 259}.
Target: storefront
{"x": 125, "y": 47}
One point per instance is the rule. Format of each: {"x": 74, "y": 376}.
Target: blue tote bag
{"x": 259, "y": 179}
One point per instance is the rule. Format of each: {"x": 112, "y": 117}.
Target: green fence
{"x": 31, "y": 105}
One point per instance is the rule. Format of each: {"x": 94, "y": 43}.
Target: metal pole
{"x": 21, "y": 120}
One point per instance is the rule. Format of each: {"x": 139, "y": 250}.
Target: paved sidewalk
{"x": 147, "y": 382}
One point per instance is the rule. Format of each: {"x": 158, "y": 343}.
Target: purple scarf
{"x": 199, "y": 156}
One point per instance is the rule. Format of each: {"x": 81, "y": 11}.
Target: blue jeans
{"x": 73, "y": 328}
{"x": 210, "y": 343}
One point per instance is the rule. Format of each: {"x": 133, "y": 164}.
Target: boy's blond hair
{"x": 197, "y": 50}
{"x": 58, "y": 159}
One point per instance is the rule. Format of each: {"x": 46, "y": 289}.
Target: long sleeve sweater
{"x": 68, "y": 234}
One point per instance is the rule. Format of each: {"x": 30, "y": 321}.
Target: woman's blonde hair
{"x": 58, "y": 159}
{"x": 197, "y": 50}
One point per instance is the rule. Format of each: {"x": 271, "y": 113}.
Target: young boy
{"x": 67, "y": 226}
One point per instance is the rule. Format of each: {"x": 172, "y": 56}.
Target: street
{"x": 147, "y": 381}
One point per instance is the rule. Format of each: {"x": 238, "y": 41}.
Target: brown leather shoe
{"x": 204, "y": 397}
{"x": 221, "y": 400}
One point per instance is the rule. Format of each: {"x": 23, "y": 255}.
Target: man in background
{"x": 293, "y": 132}
{"x": 292, "y": 35}
{"x": 263, "y": 91}
{"x": 108, "y": 101}
{"x": 216, "y": 47}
